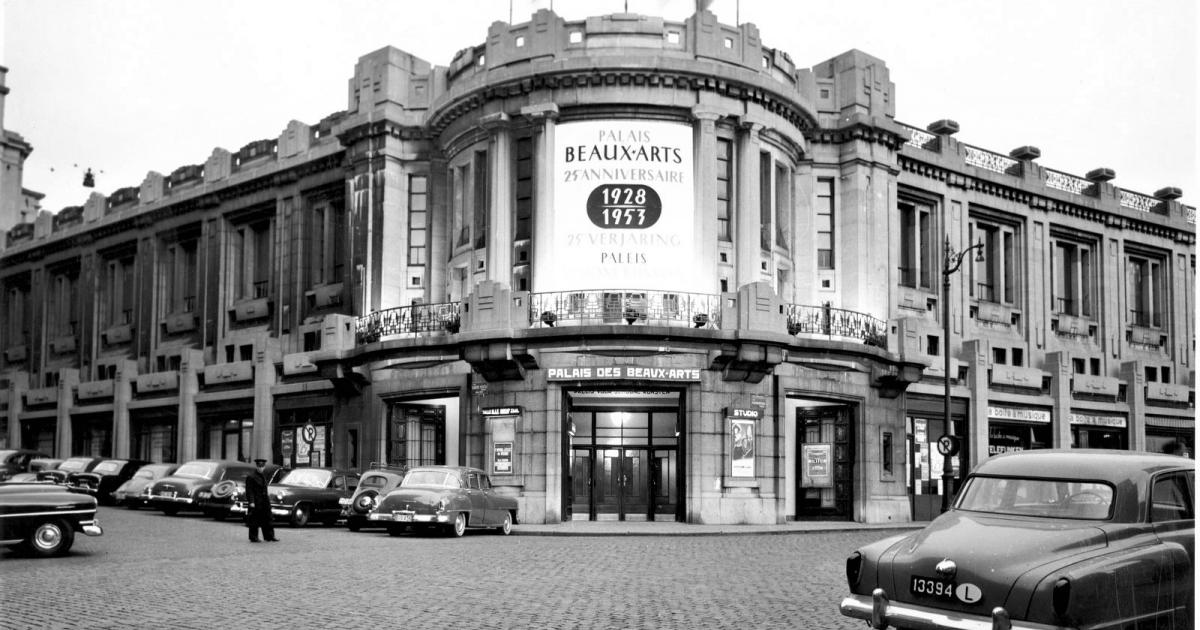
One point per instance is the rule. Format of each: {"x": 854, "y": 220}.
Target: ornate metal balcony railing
{"x": 408, "y": 321}
{"x": 987, "y": 160}
{"x": 625, "y": 306}
{"x": 922, "y": 139}
{"x": 836, "y": 322}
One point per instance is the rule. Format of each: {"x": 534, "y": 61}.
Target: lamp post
{"x": 948, "y": 447}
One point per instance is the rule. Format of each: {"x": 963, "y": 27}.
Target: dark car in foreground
{"x": 449, "y": 498}
{"x": 37, "y": 465}
{"x": 180, "y": 490}
{"x": 372, "y": 487}
{"x": 42, "y": 518}
{"x": 135, "y": 492}
{"x": 60, "y": 473}
{"x": 308, "y": 494}
{"x": 218, "y": 502}
{"x": 1043, "y": 539}
{"x": 15, "y": 461}
{"x": 106, "y": 477}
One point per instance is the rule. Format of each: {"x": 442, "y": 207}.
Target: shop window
{"x": 824, "y": 219}
{"x": 1145, "y": 293}
{"x": 885, "y": 452}
{"x": 417, "y": 435}
{"x": 916, "y": 245}
{"x": 994, "y": 279}
{"x": 1073, "y": 280}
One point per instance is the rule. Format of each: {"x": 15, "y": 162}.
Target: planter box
{"x": 117, "y": 334}
{"x": 157, "y": 382}
{"x": 1016, "y": 376}
{"x": 41, "y": 396}
{"x": 95, "y": 389}
{"x": 222, "y": 373}
{"x": 176, "y": 323}
{"x": 249, "y": 310}
{"x": 1096, "y": 385}
{"x": 1166, "y": 392}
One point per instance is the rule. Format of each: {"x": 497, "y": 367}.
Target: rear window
{"x": 435, "y": 478}
{"x": 74, "y": 464}
{"x": 373, "y": 481}
{"x": 197, "y": 470}
{"x": 1052, "y": 498}
{"x": 108, "y": 467}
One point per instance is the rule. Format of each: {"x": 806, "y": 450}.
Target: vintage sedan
{"x": 218, "y": 503}
{"x": 60, "y": 473}
{"x": 15, "y": 461}
{"x": 37, "y": 465}
{"x": 42, "y": 518}
{"x": 451, "y": 498}
{"x": 1043, "y": 539}
{"x": 180, "y": 491}
{"x": 372, "y": 487}
{"x": 135, "y": 492}
{"x": 308, "y": 494}
{"x": 107, "y": 476}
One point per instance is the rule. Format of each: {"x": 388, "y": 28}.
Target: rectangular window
{"x": 317, "y": 258}
{"x": 480, "y": 189}
{"x": 62, "y": 319}
{"x": 525, "y": 183}
{"x": 417, "y": 220}
{"x": 824, "y": 222}
{"x": 995, "y": 277}
{"x": 15, "y": 331}
{"x": 1072, "y": 278}
{"x": 250, "y": 257}
{"x": 724, "y": 187}
{"x": 765, "y": 171}
{"x": 916, "y": 245}
{"x": 1145, "y": 291}
{"x": 179, "y": 273}
{"x": 783, "y": 206}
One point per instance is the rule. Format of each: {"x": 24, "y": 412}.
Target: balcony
{"x": 826, "y": 321}
{"x": 630, "y": 307}
{"x": 417, "y": 320}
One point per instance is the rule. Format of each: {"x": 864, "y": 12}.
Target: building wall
{"x": 400, "y": 257}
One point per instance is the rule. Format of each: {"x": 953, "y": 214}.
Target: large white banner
{"x": 623, "y": 208}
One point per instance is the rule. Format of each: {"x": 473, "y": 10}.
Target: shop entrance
{"x": 623, "y": 456}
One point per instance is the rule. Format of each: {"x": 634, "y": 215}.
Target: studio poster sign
{"x": 623, "y": 208}
{"x": 742, "y": 447}
{"x": 502, "y": 458}
{"x": 816, "y": 465}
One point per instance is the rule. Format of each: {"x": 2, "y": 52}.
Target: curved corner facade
{"x": 635, "y": 269}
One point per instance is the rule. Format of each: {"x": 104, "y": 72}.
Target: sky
{"x": 125, "y": 87}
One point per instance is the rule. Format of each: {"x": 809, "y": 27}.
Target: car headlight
{"x": 279, "y": 497}
{"x": 441, "y": 505}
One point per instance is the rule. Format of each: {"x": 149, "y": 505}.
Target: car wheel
{"x": 364, "y": 502}
{"x": 459, "y": 527}
{"x": 300, "y": 515}
{"x": 506, "y": 526}
{"x": 353, "y": 525}
{"x": 50, "y": 538}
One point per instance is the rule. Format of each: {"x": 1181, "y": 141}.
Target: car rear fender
{"x": 1126, "y": 583}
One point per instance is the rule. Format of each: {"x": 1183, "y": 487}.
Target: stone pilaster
{"x": 746, "y": 217}
{"x": 543, "y": 196}
{"x": 190, "y": 368}
{"x": 17, "y": 386}
{"x": 975, "y": 355}
{"x": 705, "y": 215}
{"x": 1058, "y": 365}
{"x": 264, "y": 405}
{"x": 1134, "y": 375}
{"x": 500, "y": 210}
{"x": 122, "y": 395}
{"x": 68, "y": 380}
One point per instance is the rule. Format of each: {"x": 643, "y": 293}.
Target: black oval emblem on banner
{"x": 624, "y": 206}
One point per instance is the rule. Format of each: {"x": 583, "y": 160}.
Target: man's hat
{"x": 260, "y": 462}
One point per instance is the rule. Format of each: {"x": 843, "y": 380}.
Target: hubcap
{"x": 47, "y": 537}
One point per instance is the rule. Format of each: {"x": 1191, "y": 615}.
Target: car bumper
{"x": 881, "y": 613}
{"x": 177, "y": 500}
{"x": 402, "y": 516}
{"x": 91, "y": 528}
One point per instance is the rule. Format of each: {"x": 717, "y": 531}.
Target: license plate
{"x": 931, "y": 587}
{"x": 402, "y": 517}
{"x": 204, "y": 495}
{"x": 343, "y": 501}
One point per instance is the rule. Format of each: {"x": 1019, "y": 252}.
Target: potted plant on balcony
{"x": 549, "y": 317}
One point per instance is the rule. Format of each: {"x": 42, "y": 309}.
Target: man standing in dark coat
{"x": 258, "y": 509}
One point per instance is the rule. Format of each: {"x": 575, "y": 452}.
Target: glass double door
{"x": 624, "y": 466}
{"x": 620, "y": 482}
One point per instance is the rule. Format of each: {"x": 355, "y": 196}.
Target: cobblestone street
{"x": 154, "y": 571}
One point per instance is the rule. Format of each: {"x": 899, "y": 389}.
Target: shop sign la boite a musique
{"x": 623, "y": 208}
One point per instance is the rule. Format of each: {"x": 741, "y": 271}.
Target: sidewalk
{"x": 645, "y": 528}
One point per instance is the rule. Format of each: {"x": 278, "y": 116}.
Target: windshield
{"x": 307, "y": 477}
{"x": 111, "y": 466}
{"x": 197, "y": 470}
{"x": 74, "y": 464}
{"x": 1055, "y": 498}
{"x": 436, "y": 478}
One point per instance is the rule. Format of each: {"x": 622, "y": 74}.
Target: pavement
{"x": 660, "y": 528}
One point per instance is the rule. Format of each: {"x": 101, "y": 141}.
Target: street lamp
{"x": 947, "y": 444}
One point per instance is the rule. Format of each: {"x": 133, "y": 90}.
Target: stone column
{"x": 190, "y": 367}
{"x": 543, "y": 194}
{"x": 264, "y": 405}
{"x": 1058, "y": 364}
{"x": 1134, "y": 375}
{"x": 122, "y": 395}
{"x": 68, "y": 380}
{"x": 705, "y": 214}
{"x": 975, "y": 354}
{"x": 500, "y": 210}
{"x": 746, "y": 219}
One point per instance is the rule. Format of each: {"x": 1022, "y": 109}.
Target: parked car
{"x": 102, "y": 480}
{"x": 180, "y": 490}
{"x": 42, "y": 518}
{"x": 308, "y": 494}
{"x": 219, "y": 501}
{"x": 60, "y": 473}
{"x": 1043, "y": 539}
{"x": 372, "y": 487}
{"x": 135, "y": 492}
{"x": 37, "y": 465}
{"x": 14, "y": 461}
{"x": 451, "y": 498}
